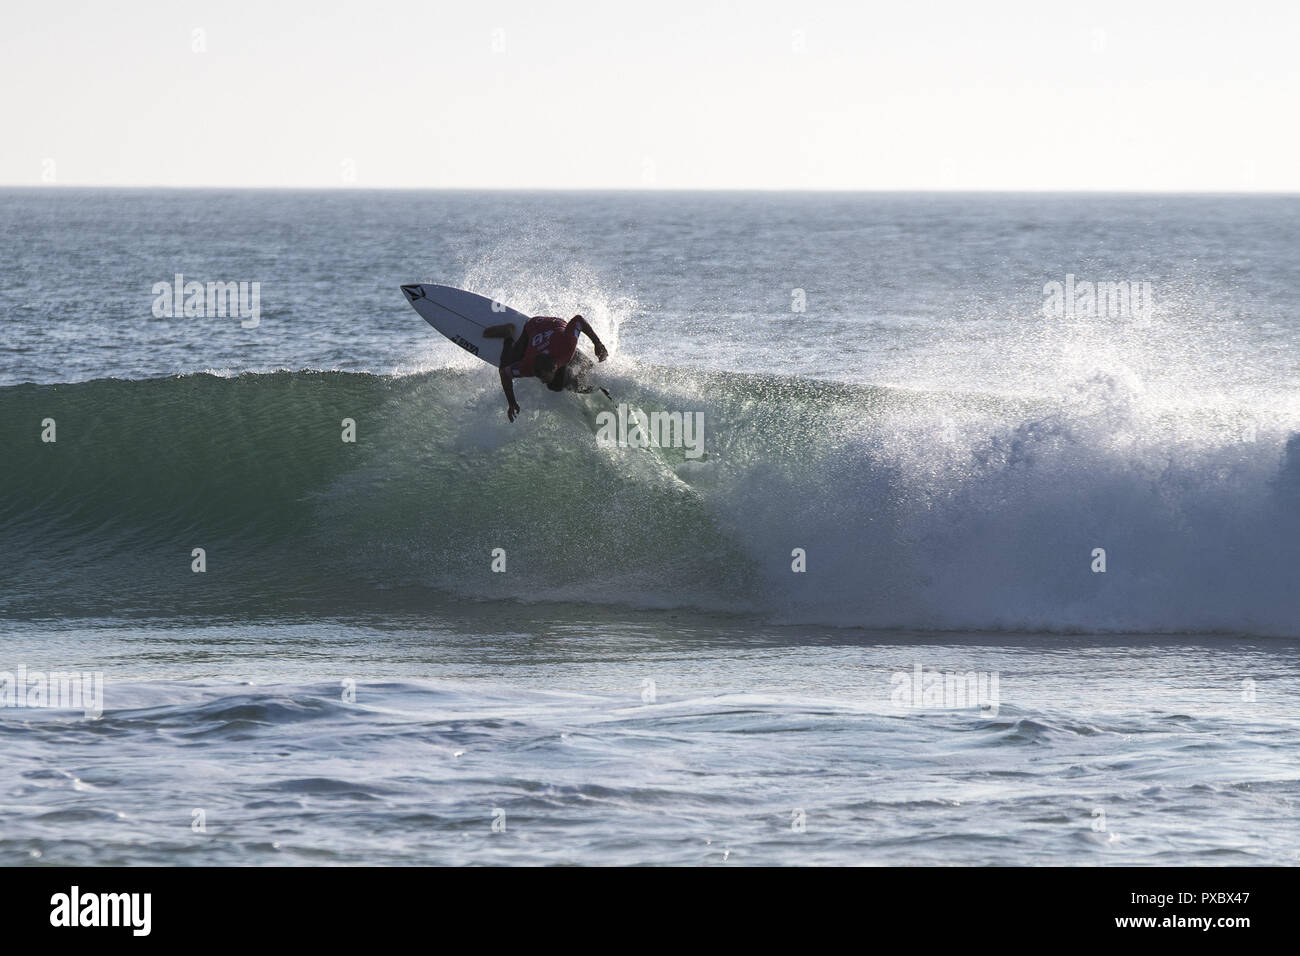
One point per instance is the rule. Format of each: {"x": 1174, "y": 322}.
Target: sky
{"x": 557, "y": 94}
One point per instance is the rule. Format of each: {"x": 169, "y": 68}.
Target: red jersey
{"x": 547, "y": 336}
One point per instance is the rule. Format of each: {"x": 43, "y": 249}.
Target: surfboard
{"x": 462, "y": 316}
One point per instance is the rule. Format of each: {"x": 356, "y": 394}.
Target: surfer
{"x": 547, "y": 349}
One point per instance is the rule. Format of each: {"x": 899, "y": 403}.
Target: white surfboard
{"x": 462, "y": 316}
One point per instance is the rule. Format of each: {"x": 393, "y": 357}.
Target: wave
{"x": 913, "y": 510}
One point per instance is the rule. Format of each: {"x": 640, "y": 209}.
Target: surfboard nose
{"x": 413, "y": 291}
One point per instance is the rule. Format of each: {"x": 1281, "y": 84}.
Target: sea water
{"x": 988, "y": 551}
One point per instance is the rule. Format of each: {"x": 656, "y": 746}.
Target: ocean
{"x": 985, "y": 548}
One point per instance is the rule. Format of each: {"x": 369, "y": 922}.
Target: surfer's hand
{"x": 512, "y": 411}
{"x": 602, "y": 353}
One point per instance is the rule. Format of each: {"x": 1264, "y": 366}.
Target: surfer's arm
{"x": 508, "y": 386}
{"x": 504, "y": 331}
{"x": 584, "y": 326}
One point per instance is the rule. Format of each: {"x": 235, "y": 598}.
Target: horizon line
{"x": 653, "y": 190}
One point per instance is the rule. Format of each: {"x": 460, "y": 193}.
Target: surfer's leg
{"x": 513, "y": 350}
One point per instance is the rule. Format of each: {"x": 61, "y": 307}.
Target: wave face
{"x": 915, "y": 510}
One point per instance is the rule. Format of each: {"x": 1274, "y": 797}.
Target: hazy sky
{"x": 801, "y": 94}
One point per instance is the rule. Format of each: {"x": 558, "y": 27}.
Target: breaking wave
{"x": 914, "y": 510}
